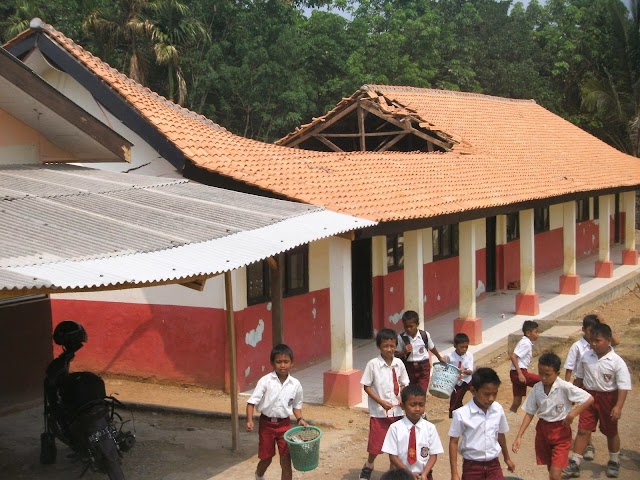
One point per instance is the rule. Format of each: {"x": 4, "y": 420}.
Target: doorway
{"x": 491, "y": 253}
{"x": 361, "y": 288}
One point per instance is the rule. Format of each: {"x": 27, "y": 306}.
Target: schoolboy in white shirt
{"x": 482, "y": 425}
{"x": 521, "y": 358}
{"x": 413, "y": 349}
{"x": 553, "y": 400}
{"x": 573, "y": 357}
{"x": 383, "y": 379}
{"x": 277, "y": 395}
{"x": 605, "y": 375}
{"x": 463, "y": 361}
{"x": 413, "y": 443}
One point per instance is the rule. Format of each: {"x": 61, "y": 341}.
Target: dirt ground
{"x": 181, "y": 446}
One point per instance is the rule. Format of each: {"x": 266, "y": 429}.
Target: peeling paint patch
{"x": 314, "y": 312}
{"x": 424, "y": 299}
{"x": 313, "y": 300}
{"x": 438, "y": 297}
{"x": 263, "y": 367}
{"x": 269, "y": 305}
{"x": 481, "y": 288}
{"x": 593, "y": 239}
{"x": 247, "y": 371}
{"x": 395, "y": 318}
{"x": 254, "y": 336}
{"x": 391, "y": 289}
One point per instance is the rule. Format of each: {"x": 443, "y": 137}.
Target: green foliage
{"x": 262, "y": 67}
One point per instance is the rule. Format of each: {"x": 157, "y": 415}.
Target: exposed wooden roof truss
{"x": 369, "y": 123}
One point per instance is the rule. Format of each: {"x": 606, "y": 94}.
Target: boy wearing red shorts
{"x": 277, "y": 395}
{"x": 603, "y": 374}
{"x": 521, "y": 357}
{"x": 552, "y": 399}
{"x": 383, "y": 379}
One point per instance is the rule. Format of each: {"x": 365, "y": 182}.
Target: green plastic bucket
{"x": 304, "y": 447}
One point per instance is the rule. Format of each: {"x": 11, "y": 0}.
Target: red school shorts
{"x": 271, "y": 434}
{"x": 600, "y": 411}
{"x": 378, "y": 427}
{"x": 457, "y": 396}
{"x": 519, "y": 388}
{"x": 489, "y": 470}
{"x": 553, "y": 443}
{"x": 419, "y": 373}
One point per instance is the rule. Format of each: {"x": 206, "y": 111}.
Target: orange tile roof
{"x": 522, "y": 152}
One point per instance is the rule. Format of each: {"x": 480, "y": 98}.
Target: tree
{"x": 174, "y": 29}
{"x": 122, "y": 35}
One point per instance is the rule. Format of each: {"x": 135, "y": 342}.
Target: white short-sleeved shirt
{"x": 378, "y": 375}
{"x": 396, "y": 442}
{"x": 524, "y": 352}
{"x": 555, "y": 406}
{"x": 275, "y": 399}
{"x": 463, "y": 362}
{"x": 479, "y": 430}
{"x": 575, "y": 353}
{"x": 420, "y": 351}
{"x": 604, "y": 374}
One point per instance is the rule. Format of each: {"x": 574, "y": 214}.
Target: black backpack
{"x": 425, "y": 338}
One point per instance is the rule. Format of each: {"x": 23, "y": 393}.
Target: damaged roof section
{"x": 371, "y": 121}
{"x": 68, "y": 228}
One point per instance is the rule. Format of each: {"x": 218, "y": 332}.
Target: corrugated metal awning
{"x": 67, "y": 228}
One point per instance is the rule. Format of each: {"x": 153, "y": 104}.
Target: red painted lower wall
{"x": 188, "y": 344}
{"x": 165, "y": 342}
{"x": 586, "y": 239}
{"x": 393, "y": 295}
{"x": 441, "y": 286}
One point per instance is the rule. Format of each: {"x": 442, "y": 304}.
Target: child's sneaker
{"x": 572, "y": 470}
{"x": 589, "y": 453}
{"x": 365, "y": 474}
{"x": 613, "y": 469}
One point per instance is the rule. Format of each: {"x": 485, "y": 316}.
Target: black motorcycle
{"x": 78, "y": 412}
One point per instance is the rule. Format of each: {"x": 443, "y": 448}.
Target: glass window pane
{"x": 256, "y": 282}
{"x": 455, "y": 243}
{"x": 391, "y": 244}
{"x": 446, "y": 240}
{"x": 400, "y": 251}
{"x": 296, "y": 271}
{"x": 436, "y": 241}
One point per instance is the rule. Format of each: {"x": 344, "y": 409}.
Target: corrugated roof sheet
{"x": 84, "y": 228}
{"x": 521, "y": 152}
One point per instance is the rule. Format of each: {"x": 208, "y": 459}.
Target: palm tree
{"x": 19, "y": 20}
{"x": 615, "y": 98}
{"x": 174, "y": 31}
{"x": 124, "y": 29}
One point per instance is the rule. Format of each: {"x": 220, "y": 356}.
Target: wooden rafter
{"x": 329, "y": 143}
{"x": 322, "y": 125}
{"x": 372, "y": 109}
{"x": 387, "y": 145}
{"x": 361, "y": 130}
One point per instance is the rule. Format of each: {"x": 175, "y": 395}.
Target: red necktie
{"x": 396, "y": 386}
{"x": 411, "y": 453}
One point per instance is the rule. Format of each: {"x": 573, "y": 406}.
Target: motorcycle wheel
{"x": 48, "y": 450}
{"x": 110, "y": 462}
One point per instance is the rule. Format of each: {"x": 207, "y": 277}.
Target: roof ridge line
{"x": 438, "y": 91}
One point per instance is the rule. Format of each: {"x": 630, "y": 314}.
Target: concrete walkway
{"x": 497, "y": 312}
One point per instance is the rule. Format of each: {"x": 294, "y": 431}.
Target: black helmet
{"x": 70, "y": 335}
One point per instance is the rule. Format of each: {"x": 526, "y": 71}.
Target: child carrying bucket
{"x": 462, "y": 359}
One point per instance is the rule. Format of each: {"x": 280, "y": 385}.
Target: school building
{"x": 467, "y": 193}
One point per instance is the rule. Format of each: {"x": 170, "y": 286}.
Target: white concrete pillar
{"x": 467, "y": 321}
{"x": 340, "y": 301}
{"x": 527, "y": 252}
{"x": 414, "y": 273}
{"x": 467, "y": 270}
{"x": 604, "y": 265}
{"x": 341, "y": 385}
{"x": 630, "y": 254}
{"x": 569, "y": 281}
{"x": 604, "y": 229}
{"x": 527, "y": 301}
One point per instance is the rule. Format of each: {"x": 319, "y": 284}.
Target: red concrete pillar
{"x": 342, "y": 388}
